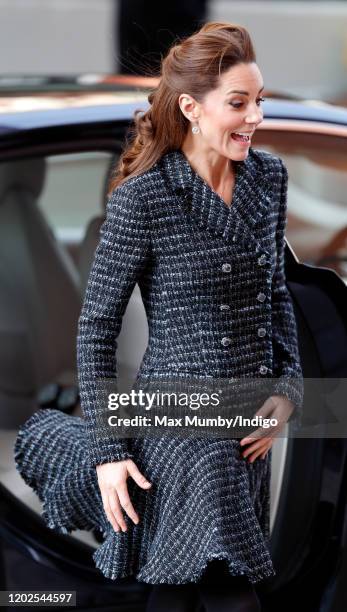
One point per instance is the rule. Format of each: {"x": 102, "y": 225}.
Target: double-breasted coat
{"x": 213, "y": 286}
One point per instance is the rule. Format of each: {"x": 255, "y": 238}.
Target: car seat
{"x": 40, "y": 295}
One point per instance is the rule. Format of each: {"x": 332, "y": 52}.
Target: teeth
{"x": 243, "y": 135}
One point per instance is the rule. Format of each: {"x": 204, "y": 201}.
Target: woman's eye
{"x": 239, "y": 104}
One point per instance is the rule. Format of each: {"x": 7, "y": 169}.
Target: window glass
{"x": 74, "y": 192}
{"x": 317, "y": 195}
{"x": 50, "y": 215}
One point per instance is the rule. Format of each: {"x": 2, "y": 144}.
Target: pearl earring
{"x": 195, "y": 129}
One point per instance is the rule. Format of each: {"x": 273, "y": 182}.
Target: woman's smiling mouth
{"x": 241, "y": 137}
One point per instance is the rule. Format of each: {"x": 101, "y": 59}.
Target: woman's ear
{"x": 189, "y": 107}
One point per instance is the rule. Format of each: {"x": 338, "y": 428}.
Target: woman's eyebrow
{"x": 245, "y": 93}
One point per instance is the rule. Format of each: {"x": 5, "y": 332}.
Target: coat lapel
{"x": 250, "y": 203}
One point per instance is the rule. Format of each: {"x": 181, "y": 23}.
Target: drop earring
{"x": 195, "y": 129}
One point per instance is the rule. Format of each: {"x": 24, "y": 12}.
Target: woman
{"x": 197, "y": 218}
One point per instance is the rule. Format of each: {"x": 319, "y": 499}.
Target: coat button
{"x": 225, "y": 341}
{"x": 226, "y": 267}
{"x": 224, "y": 307}
{"x": 262, "y": 260}
{"x": 263, "y": 369}
{"x": 261, "y": 297}
{"x": 261, "y": 332}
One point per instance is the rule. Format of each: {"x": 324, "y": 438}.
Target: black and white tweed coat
{"x": 213, "y": 286}
{"x": 211, "y": 278}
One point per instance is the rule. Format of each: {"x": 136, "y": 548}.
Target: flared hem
{"x": 194, "y": 577}
{"x": 50, "y": 454}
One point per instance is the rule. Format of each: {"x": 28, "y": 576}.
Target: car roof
{"x": 40, "y": 102}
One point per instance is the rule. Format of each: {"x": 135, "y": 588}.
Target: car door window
{"x": 317, "y": 195}
{"x": 74, "y": 192}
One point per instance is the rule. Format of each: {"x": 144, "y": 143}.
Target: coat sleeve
{"x": 119, "y": 260}
{"x": 287, "y": 366}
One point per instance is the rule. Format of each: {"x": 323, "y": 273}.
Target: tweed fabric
{"x": 206, "y": 502}
{"x": 191, "y": 254}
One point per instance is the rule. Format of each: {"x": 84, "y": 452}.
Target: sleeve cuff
{"x": 293, "y": 389}
{"x": 119, "y": 451}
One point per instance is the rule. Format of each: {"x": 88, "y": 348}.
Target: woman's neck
{"x": 216, "y": 170}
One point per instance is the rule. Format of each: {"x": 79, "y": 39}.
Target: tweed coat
{"x": 213, "y": 286}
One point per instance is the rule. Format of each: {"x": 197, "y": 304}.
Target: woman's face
{"x": 234, "y": 106}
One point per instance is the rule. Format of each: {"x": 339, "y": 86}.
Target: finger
{"x": 116, "y": 509}
{"x": 139, "y": 478}
{"x": 254, "y": 444}
{"x": 259, "y": 452}
{"x": 255, "y": 435}
{"x": 263, "y": 455}
{"x": 262, "y": 432}
{"x": 254, "y": 456}
{"x": 259, "y": 444}
{"x": 125, "y": 502}
{"x": 108, "y": 512}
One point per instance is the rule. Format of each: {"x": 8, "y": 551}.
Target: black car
{"x": 59, "y": 140}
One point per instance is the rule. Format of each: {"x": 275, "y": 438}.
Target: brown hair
{"x": 192, "y": 66}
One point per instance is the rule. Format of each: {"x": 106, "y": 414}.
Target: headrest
{"x": 27, "y": 174}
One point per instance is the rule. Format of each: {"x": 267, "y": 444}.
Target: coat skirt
{"x": 213, "y": 287}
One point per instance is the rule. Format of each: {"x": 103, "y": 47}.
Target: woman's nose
{"x": 255, "y": 116}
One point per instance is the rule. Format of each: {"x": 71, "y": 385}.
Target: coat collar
{"x": 250, "y": 203}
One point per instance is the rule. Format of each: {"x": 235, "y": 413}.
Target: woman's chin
{"x": 240, "y": 148}
{"x": 239, "y": 155}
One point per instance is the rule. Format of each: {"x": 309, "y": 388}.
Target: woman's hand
{"x": 112, "y": 479}
{"x": 261, "y": 440}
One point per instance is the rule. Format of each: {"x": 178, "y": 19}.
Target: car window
{"x": 74, "y": 192}
{"x": 51, "y": 212}
{"x": 317, "y": 195}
